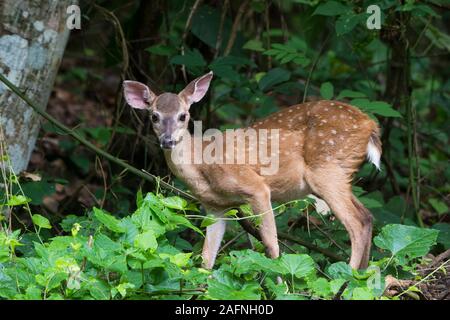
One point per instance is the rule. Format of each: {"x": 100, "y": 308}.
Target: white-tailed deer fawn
{"x": 321, "y": 145}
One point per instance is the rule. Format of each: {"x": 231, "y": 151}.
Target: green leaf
{"x": 190, "y": 59}
{"x": 331, "y": 8}
{"x": 362, "y": 294}
{"x": 378, "y": 107}
{"x": 174, "y": 203}
{"x": 161, "y": 50}
{"x": 108, "y": 221}
{"x": 273, "y": 77}
{"x": 224, "y": 286}
{"x": 17, "y": 200}
{"x": 41, "y": 221}
{"x": 299, "y": 265}
{"x": 247, "y": 261}
{"x": 254, "y": 45}
{"x": 348, "y": 22}
{"x": 406, "y": 241}
{"x": 340, "y": 270}
{"x": 321, "y": 287}
{"x": 444, "y": 234}
{"x": 37, "y": 190}
{"x": 438, "y": 205}
{"x": 208, "y": 220}
{"x": 327, "y": 90}
{"x": 350, "y": 94}
{"x": 146, "y": 240}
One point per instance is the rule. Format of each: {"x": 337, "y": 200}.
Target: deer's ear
{"x": 196, "y": 90}
{"x": 137, "y": 94}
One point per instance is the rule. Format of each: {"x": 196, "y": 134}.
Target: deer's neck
{"x": 181, "y": 159}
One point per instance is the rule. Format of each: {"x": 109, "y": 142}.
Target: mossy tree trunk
{"x": 33, "y": 36}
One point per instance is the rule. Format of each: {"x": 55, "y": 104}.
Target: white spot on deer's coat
{"x": 333, "y": 131}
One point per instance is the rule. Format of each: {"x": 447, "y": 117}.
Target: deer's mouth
{"x": 169, "y": 143}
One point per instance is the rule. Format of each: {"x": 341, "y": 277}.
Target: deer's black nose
{"x": 167, "y": 143}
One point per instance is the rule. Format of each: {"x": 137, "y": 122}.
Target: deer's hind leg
{"x": 333, "y": 185}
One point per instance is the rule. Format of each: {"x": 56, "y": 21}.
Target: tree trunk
{"x": 33, "y": 35}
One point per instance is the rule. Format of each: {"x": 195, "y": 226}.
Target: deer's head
{"x": 169, "y": 112}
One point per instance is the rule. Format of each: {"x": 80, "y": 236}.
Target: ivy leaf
{"x": 108, "y": 221}
{"x": 146, "y": 240}
{"x": 299, "y": 265}
{"x": 331, "y": 8}
{"x": 41, "y": 221}
{"x": 327, "y": 90}
{"x": 406, "y": 241}
{"x": 273, "y": 77}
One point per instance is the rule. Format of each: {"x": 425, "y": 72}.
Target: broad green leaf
{"x": 438, "y": 205}
{"x": 245, "y": 261}
{"x": 108, "y": 221}
{"x": 179, "y": 259}
{"x": 444, "y": 234}
{"x": 299, "y": 265}
{"x": 273, "y": 77}
{"x": 321, "y": 287}
{"x": 190, "y": 59}
{"x": 224, "y": 286}
{"x": 17, "y": 200}
{"x": 174, "y": 202}
{"x": 37, "y": 190}
{"x": 350, "y": 94}
{"x": 378, "y": 107}
{"x": 347, "y": 22}
{"x": 162, "y": 50}
{"x": 327, "y": 90}
{"x": 331, "y": 8}
{"x": 41, "y": 221}
{"x": 406, "y": 241}
{"x": 254, "y": 45}
{"x": 208, "y": 220}
{"x": 340, "y": 270}
{"x": 146, "y": 240}
{"x": 362, "y": 294}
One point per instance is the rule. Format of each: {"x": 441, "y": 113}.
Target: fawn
{"x": 321, "y": 145}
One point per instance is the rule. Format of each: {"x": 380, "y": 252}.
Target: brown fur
{"x": 322, "y": 144}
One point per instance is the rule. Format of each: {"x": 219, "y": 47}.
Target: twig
{"x": 235, "y": 27}
{"x": 314, "y": 66}
{"x": 220, "y": 32}
{"x": 187, "y": 26}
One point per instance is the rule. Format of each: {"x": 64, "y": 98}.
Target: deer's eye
{"x": 154, "y": 118}
{"x": 182, "y": 117}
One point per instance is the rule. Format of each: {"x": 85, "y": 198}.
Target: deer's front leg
{"x": 214, "y": 236}
{"x": 260, "y": 203}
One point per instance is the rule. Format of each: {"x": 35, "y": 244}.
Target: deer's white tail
{"x": 374, "y": 149}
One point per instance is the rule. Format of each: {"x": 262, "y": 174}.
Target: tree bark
{"x": 33, "y": 36}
